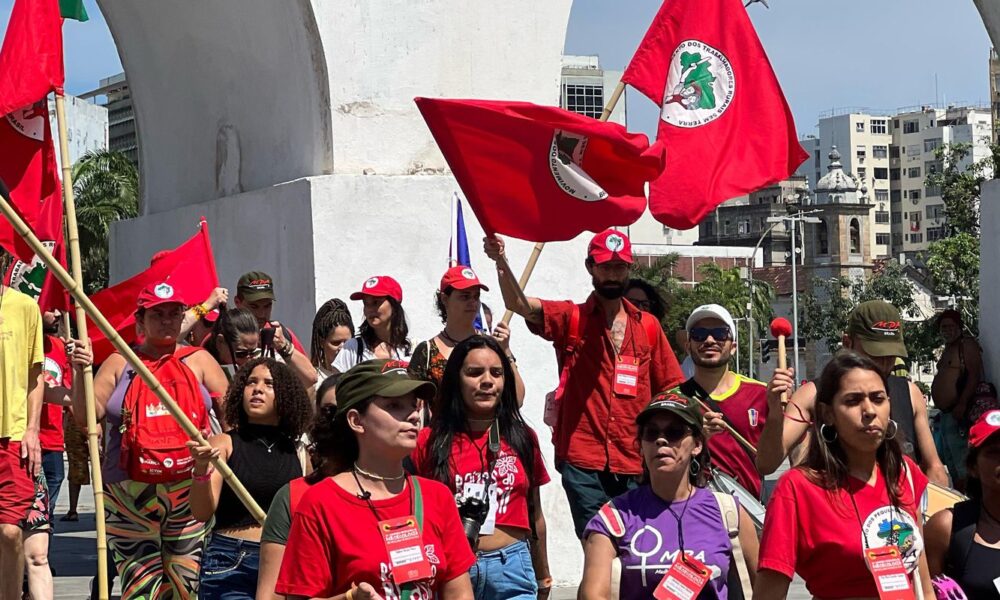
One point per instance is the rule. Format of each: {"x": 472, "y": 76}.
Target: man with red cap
{"x": 612, "y": 357}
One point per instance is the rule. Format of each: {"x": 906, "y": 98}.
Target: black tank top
{"x": 974, "y": 566}
{"x": 264, "y": 460}
{"x": 901, "y": 411}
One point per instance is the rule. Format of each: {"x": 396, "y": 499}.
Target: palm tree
{"x": 106, "y": 185}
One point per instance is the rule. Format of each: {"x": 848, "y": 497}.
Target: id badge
{"x": 626, "y": 376}
{"x": 684, "y": 580}
{"x": 891, "y": 579}
{"x": 405, "y": 546}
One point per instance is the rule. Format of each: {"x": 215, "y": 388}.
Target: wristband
{"x": 286, "y": 350}
{"x": 200, "y": 310}
{"x": 511, "y": 358}
{"x": 350, "y": 594}
{"x": 203, "y": 478}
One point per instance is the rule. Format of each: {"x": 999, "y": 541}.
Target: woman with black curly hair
{"x": 269, "y": 410}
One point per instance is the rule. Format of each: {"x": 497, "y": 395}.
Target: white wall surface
{"x": 86, "y": 128}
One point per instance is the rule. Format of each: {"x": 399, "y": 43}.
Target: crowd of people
{"x": 390, "y": 469}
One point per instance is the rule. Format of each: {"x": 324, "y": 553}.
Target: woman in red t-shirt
{"x": 371, "y": 531}
{"x": 855, "y": 492}
{"x": 480, "y": 447}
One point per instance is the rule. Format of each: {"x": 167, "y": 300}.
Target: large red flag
{"x": 31, "y": 59}
{"x": 724, "y": 120}
{"x": 541, "y": 173}
{"x": 30, "y": 173}
{"x": 188, "y": 268}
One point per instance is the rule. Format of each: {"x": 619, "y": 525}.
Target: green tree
{"x": 106, "y": 186}
{"x": 960, "y": 181}
{"x": 953, "y": 264}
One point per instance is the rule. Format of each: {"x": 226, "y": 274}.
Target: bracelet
{"x": 203, "y": 478}
{"x": 287, "y": 350}
{"x": 511, "y": 358}
{"x": 350, "y": 594}
{"x": 200, "y": 310}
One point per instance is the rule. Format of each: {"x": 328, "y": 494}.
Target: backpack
{"x": 566, "y": 356}
{"x": 154, "y": 446}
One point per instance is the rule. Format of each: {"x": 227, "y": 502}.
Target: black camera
{"x": 473, "y": 512}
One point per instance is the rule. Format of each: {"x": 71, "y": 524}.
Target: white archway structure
{"x": 291, "y": 126}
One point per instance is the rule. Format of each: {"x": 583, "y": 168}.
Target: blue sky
{"x": 877, "y": 53}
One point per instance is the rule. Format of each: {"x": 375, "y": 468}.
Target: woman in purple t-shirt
{"x": 670, "y": 513}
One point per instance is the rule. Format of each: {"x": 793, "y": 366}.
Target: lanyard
{"x": 857, "y": 513}
{"x": 367, "y": 496}
{"x": 680, "y": 519}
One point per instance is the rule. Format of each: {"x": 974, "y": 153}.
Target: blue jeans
{"x": 229, "y": 569}
{"x": 55, "y": 473}
{"x": 504, "y": 574}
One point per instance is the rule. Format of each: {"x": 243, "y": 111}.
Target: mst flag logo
{"x": 30, "y": 121}
{"x": 700, "y": 85}
{"x": 566, "y": 160}
{"x": 29, "y": 278}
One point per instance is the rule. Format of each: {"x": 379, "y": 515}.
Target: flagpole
{"x": 96, "y": 478}
{"x": 127, "y": 353}
{"x": 529, "y": 268}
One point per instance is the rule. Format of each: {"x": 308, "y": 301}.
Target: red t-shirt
{"x": 468, "y": 463}
{"x": 56, "y": 372}
{"x": 821, "y": 535}
{"x": 335, "y": 542}
{"x": 596, "y": 428}
{"x": 745, "y": 405}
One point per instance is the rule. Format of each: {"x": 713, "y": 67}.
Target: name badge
{"x": 891, "y": 579}
{"x": 405, "y": 546}
{"x": 626, "y": 376}
{"x": 684, "y": 581}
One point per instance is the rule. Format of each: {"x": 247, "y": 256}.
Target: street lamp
{"x": 753, "y": 261}
{"x": 794, "y": 219}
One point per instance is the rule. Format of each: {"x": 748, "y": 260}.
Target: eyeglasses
{"x": 673, "y": 433}
{"x": 241, "y": 354}
{"x": 719, "y": 334}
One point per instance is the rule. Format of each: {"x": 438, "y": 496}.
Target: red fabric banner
{"x": 540, "y": 173}
{"x": 31, "y": 59}
{"x": 724, "y": 120}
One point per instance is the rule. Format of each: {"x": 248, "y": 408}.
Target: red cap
{"x": 155, "y": 294}
{"x": 380, "y": 285}
{"x": 985, "y": 427}
{"x": 461, "y": 278}
{"x": 610, "y": 244}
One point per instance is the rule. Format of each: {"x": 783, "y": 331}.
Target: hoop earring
{"x": 826, "y": 438}
{"x": 895, "y": 430}
{"x": 695, "y": 467}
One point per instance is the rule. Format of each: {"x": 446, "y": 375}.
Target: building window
{"x": 880, "y": 151}
{"x": 881, "y": 216}
{"x": 881, "y": 195}
{"x": 879, "y": 126}
{"x": 932, "y": 190}
{"x": 862, "y": 174}
{"x": 882, "y": 239}
{"x": 916, "y": 238}
{"x": 897, "y": 239}
{"x": 913, "y": 195}
{"x": 935, "y": 211}
{"x": 859, "y": 127}
{"x": 935, "y": 233}
{"x": 911, "y": 126}
{"x": 915, "y": 219}
{"x": 587, "y": 100}
{"x": 895, "y": 196}
{"x": 824, "y": 237}
{"x": 897, "y": 217}
{"x": 913, "y": 172}
{"x": 881, "y": 173}
{"x": 709, "y": 226}
{"x": 932, "y": 144}
{"x": 861, "y": 152}
{"x": 893, "y": 151}
{"x": 933, "y": 166}
{"x": 855, "y": 237}
{"x": 894, "y": 174}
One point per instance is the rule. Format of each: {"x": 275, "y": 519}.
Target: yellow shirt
{"x": 20, "y": 349}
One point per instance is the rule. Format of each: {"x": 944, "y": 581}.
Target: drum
{"x": 724, "y": 483}
{"x": 939, "y": 498}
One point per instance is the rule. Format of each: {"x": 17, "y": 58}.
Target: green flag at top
{"x": 73, "y": 9}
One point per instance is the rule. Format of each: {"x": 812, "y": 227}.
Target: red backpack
{"x": 154, "y": 446}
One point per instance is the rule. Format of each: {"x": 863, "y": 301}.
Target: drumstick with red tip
{"x": 781, "y": 329}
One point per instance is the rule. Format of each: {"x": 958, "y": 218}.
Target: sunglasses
{"x": 672, "y": 433}
{"x": 241, "y": 354}
{"x": 719, "y": 334}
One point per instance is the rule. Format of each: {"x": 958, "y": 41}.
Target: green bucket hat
{"x": 878, "y": 328}
{"x": 676, "y": 402}
{"x": 379, "y": 377}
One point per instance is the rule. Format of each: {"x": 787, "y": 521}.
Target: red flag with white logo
{"x": 31, "y": 58}
{"x": 189, "y": 270}
{"x": 541, "y": 173}
{"x": 29, "y": 171}
{"x": 723, "y": 118}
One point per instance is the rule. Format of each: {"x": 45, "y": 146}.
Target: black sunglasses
{"x": 241, "y": 354}
{"x": 719, "y": 334}
{"x": 672, "y": 433}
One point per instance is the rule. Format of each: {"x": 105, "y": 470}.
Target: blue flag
{"x": 458, "y": 251}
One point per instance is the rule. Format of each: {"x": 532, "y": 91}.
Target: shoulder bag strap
{"x": 731, "y": 519}
{"x": 407, "y": 590}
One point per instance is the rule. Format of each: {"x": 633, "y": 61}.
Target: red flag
{"x": 724, "y": 120}
{"x": 541, "y": 173}
{"x": 189, "y": 268}
{"x": 29, "y": 170}
{"x": 31, "y": 59}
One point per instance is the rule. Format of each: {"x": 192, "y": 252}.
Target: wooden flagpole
{"x": 529, "y": 268}
{"x": 127, "y": 353}
{"x": 93, "y": 444}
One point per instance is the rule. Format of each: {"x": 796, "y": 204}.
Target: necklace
{"x": 375, "y": 477}
{"x": 444, "y": 334}
{"x": 270, "y": 447}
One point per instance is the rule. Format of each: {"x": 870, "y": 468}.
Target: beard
{"x": 609, "y": 290}
{"x": 711, "y": 363}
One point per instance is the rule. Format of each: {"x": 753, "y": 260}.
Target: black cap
{"x": 676, "y": 402}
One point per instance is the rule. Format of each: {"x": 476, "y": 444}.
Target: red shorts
{"x": 17, "y": 491}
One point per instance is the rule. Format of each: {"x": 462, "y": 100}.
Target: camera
{"x": 473, "y": 512}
